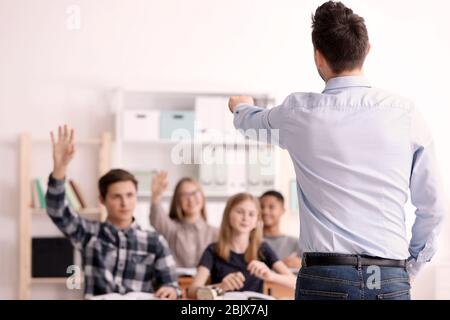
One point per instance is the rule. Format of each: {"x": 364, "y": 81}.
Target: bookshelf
{"x": 140, "y": 153}
{"x": 27, "y": 213}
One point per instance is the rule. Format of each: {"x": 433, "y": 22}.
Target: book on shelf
{"x": 78, "y": 194}
{"x": 35, "y": 203}
{"x": 38, "y": 194}
{"x": 71, "y": 197}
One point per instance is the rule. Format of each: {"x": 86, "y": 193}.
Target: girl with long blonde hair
{"x": 240, "y": 260}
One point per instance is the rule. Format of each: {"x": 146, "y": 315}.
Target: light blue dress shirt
{"x": 358, "y": 152}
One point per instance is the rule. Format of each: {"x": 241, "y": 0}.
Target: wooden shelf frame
{"x": 26, "y": 213}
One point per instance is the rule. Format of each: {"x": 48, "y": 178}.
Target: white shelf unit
{"x": 154, "y": 153}
{"x": 27, "y": 213}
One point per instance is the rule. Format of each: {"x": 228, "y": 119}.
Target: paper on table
{"x": 127, "y": 296}
{"x": 246, "y": 295}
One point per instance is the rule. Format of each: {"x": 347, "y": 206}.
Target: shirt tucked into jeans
{"x": 352, "y": 283}
{"x": 358, "y": 152}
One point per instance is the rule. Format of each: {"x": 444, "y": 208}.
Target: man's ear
{"x": 368, "y": 48}
{"x": 319, "y": 59}
{"x": 316, "y": 58}
{"x": 101, "y": 199}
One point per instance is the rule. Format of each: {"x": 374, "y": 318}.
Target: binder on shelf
{"x": 236, "y": 163}
{"x": 226, "y": 174}
{"x": 206, "y": 176}
{"x": 144, "y": 179}
{"x": 254, "y": 180}
{"x": 260, "y": 175}
{"x": 213, "y": 171}
{"x": 213, "y": 118}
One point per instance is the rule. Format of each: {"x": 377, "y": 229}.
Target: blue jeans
{"x": 352, "y": 283}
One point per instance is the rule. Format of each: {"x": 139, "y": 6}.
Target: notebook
{"x": 246, "y": 295}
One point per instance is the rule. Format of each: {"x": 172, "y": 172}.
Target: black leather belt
{"x": 331, "y": 259}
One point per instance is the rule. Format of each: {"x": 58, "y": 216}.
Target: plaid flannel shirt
{"x": 114, "y": 260}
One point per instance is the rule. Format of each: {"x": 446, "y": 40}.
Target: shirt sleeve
{"x": 427, "y": 196}
{"x": 69, "y": 222}
{"x": 165, "y": 268}
{"x": 161, "y": 221}
{"x": 262, "y": 124}
{"x": 269, "y": 256}
{"x": 207, "y": 258}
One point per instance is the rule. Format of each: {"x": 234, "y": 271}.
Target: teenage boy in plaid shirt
{"x": 118, "y": 256}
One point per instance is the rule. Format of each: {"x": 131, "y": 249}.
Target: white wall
{"x": 50, "y": 74}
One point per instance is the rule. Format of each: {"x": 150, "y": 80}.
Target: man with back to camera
{"x": 357, "y": 152}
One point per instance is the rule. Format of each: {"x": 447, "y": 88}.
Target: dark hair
{"x": 275, "y": 194}
{"x": 340, "y": 36}
{"x": 113, "y": 176}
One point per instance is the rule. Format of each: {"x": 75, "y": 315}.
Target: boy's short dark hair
{"x": 275, "y": 194}
{"x": 340, "y": 35}
{"x": 113, "y": 176}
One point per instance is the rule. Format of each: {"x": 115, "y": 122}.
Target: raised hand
{"x": 234, "y": 101}
{"x": 63, "y": 150}
{"x": 159, "y": 185}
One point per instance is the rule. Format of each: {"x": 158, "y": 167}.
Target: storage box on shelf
{"x": 191, "y": 125}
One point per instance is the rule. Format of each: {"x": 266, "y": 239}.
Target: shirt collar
{"x": 132, "y": 226}
{"x": 346, "y": 82}
{"x": 199, "y": 224}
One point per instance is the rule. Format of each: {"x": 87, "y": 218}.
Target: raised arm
{"x": 63, "y": 151}
{"x": 159, "y": 219}
{"x": 65, "y": 218}
{"x": 256, "y": 122}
